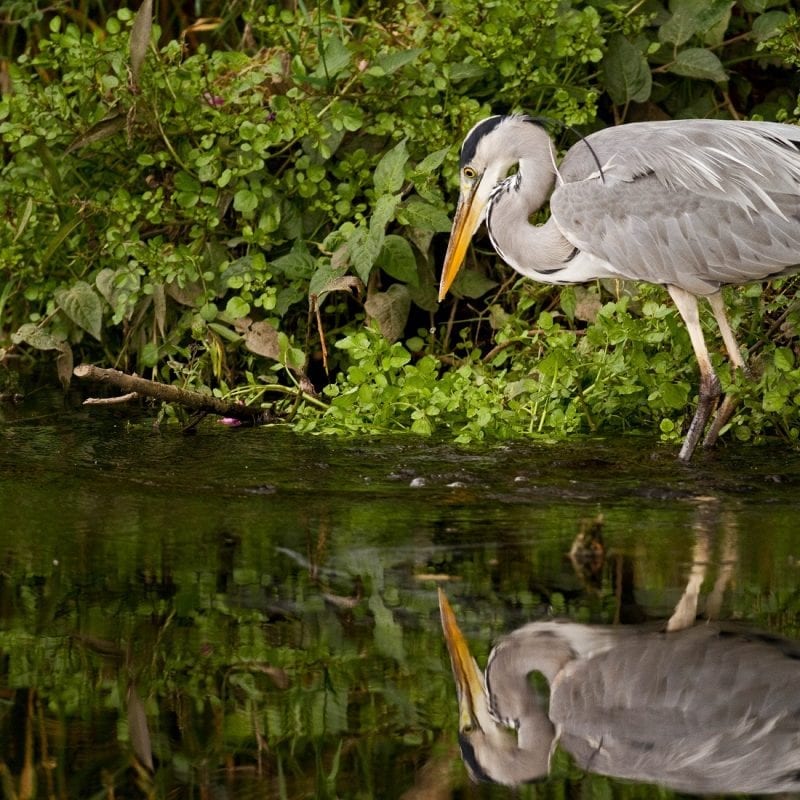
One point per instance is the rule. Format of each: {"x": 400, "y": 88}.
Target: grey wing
{"x": 699, "y": 710}
{"x": 695, "y": 203}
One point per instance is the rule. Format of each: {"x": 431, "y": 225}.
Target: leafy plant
{"x": 241, "y": 202}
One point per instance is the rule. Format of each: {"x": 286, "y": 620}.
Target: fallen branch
{"x": 169, "y": 394}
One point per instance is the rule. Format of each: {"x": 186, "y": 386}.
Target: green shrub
{"x": 247, "y": 201}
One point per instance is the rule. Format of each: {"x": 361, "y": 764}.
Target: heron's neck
{"x": 530, "y": 249}
{"x": 512, "y": 766}
{"x": 513, "y": 698}
{"x": 515, "y": 705}
{"x": 537, "y": 177}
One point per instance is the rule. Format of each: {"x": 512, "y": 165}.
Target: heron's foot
{"x": 698, "y": 425}
{"x": 685, "y": 612}
{"x": 721, "y": 418}
{"x": 709, "y": 394}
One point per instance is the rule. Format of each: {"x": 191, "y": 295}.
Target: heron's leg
{"x": 709, "y": 382}
{"x": 685, "y": 611}
{"x": 728, "y": 406}
{"x": 728, "y": 561}
{"x": 731, "y": 345}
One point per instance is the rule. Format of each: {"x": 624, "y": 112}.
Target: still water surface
{"x": 249, "y": 613}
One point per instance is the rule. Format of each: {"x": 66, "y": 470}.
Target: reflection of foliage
{"x": 279, "y": 674}
{"x": 230, "y": 683}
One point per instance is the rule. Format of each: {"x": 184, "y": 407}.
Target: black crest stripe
{"x": 475, "y": 135}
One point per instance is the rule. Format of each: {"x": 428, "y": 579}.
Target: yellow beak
{"x": 468, "y": 216}
{"x": 468, "y": 677}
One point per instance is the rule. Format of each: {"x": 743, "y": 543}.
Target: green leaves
{"x": 316, "y": 168}
{"x": 696, "y": 62}
{"x": 420, "y": 214}
{"x": 32, "y": 334}
{"x": 245, "y": 201}
{"x": 83, "y": 306}
{"x": 784, "y": 359}
{"x": 389, "y": 63}
{"x": 690, "y": 18}
{"x": 35, "y": 337}
{"x": 390, "y": 310}
{"x": 626, "y": 72}
{"x": 396, "y": 259}
{"x": 334, "y": 59}
{"x": 687, "y": 44}
{"x": 390, "y": 171}
{"x": 187, "y": 191}
{"x": 366, "y": 244}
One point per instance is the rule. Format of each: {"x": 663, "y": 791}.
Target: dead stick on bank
{"x": 169, "y": 394}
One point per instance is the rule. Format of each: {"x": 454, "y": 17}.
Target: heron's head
{"x": 488, "y": 747}
{"x": 489, "y": 151}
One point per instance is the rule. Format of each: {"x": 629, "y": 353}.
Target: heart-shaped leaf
{"x": 83, "y": 306}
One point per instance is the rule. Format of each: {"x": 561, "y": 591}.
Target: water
{"x": 249, "y": 613}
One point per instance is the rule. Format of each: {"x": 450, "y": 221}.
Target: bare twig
{"x": 110, "y": 401}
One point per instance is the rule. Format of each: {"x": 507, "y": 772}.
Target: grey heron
{"x": 689, "y": 204}
{"x": 701, "y": 710}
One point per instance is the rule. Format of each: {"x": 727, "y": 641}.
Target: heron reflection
{"x": 705, "y": 709}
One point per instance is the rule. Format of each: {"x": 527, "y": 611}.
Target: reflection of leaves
{"x": 238, "y": 678}
{"x": 278, "y": 676}
{"x": 388, "y": 634}
{"x": 104, "y": 647}
{"x": 138, "y": 729}
{"x": 328, "y": 713}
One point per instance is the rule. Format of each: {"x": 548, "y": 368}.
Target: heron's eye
{"x": 469, "y": 173}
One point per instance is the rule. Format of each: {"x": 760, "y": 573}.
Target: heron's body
{"x": 703, "y": 710}
{"x": 689, "y": 204}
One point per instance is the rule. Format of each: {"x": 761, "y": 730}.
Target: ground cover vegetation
{"x": 253, "y": 200}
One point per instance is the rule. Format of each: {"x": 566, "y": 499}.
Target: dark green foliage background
{"x": 265, "y": 200}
